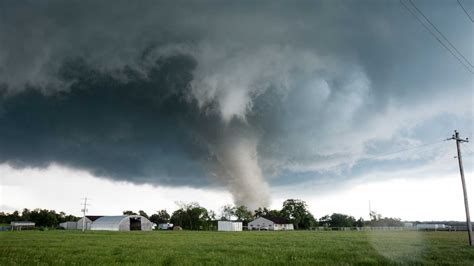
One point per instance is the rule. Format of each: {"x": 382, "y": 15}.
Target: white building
{"x": 166, "y": 226}
{"x": 408, "y": 225}
{"x": 270, "y": 223}
{"x": 89, "y": 219}
{"x": 232, "y": 226}
{"x": 69, "y": 225}
{"x": 430, "y": 226}
{"x": 122, "y": 223}
{"x": 19, "y": 225}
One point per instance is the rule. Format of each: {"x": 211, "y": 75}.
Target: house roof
{"x": 277, "y": 220}
{"x": 93, "y": 217}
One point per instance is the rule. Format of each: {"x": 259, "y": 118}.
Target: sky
{"x": 139, "y": 106}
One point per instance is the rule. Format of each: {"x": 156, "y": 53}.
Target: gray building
{"x": 88, "y": 221}
{"x": 68, "y": 225}
{"x": 19, "y": 225}
{"x": 122, "y": 223}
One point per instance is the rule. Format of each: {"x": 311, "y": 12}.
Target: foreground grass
{"x": 236, "y": 248}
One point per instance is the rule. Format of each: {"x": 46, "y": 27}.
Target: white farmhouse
{"x": 232, "y": 226}
{"x": 270, "y": 223}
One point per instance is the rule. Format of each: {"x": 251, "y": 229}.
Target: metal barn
{"x": 89, "y": 219}
{"x": 69, "y": 225}
{"x": 232, "y": 226}
{"x": 122, "y": 223}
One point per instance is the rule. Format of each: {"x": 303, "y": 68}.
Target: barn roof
{"x": 277, "y": 220}
{"x": 110, "y": 219}
{"x": 108, "y": 222}
{"x": 93, "y": 217}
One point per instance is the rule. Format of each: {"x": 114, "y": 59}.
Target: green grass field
{"x": 237, "y": 248}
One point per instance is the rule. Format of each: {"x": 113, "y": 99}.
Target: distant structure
{"x": 408, "y": 224}
{"x": 88, "y": 221}
{"x": 431, "y": 227}
{"x": 20, "y": 225}
{"x": 165, "y": 226}
{"x": 270, "y": 223}
{"x": 122, "y": 223}
{"x": 68, "y": 225}
{"x": 229, "y": 226}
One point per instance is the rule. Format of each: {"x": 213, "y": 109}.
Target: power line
{"x": 436, "y": 37}
{"x": 407, "y": 149}
{"x": 465, "y": 11}
{"x": 440, "y": 33}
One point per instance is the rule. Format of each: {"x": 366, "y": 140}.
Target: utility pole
{"x": 370, "y": 211}
{"x": 461, "y": 170}
{"x": 84, "y": 210}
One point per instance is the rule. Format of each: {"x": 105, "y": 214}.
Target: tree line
{"x": 41, "y": 217}
{"x": 193, "y": 216}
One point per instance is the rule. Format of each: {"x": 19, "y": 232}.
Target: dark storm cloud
{"x": 185, "y": 93}
{"x": 137, "y": 128}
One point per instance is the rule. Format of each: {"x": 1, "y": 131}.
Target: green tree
{"x": 243, "y": 214}
{"x": 325, "y": 221}
{"x": 41, "y": 217}
{"x": 129, "y": 213}
{"x": 25, "y": 215}
{"x": 386, "y": 221}
{"x": 341, "y": 220}
{"x": 296, "y": 211}
{"x": 360, "y": 222}
{"x": 143, "y": 213}
{"x": 228, "y": 212}
{"x": 211, "y": 215}
{"x": 191, "y": 216}
{"x": 260, "y": 212}
{"x": 308, "y": 221}
{"x": 44, "y": 218}
{"x": 160, "y": 217}
{"x": 180, "y": 218}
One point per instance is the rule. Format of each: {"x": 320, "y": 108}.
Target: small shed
{"x": 230, "y": 226}
{"x": 19, "y": 225}
{"x": 122, "y": 223}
